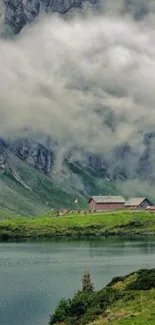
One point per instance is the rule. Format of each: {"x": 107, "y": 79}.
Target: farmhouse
{"x": 138, "y": 203}
{"x": 100, "y": 203}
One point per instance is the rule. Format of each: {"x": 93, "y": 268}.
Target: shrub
{"x": 71, "y": 310}
{"x": 61, "y": 312}
{"x": 90, "y": 315}
{"x": 145, "y": 280}
{"x": 80, "y": 303}
{"x": 105, "y": 297}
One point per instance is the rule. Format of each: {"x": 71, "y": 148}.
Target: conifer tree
{"x": 87, "y": 284}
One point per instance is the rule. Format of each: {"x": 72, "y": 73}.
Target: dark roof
{"x": 135, "y": 201}
{"x": 107, "y": 199}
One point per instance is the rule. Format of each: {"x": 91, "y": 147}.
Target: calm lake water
{"x": 35, "y": 275}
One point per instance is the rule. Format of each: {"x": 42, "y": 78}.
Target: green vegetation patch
{"x": 128, "y": 300}
{"x": 50, "y": 225}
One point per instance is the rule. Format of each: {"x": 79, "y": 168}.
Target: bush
{"x": 115, "y": 280}
{"x": 145, "y": 280}
{"x": 106, "y": 297}
{"x": 80, "y": 303}
{"x": 84, "y": 307}
{"x": 90, "y": 315}
{"x": 71, "y": 310}
{"x": 61, "y": 312}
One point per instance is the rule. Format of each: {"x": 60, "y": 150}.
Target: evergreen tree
{"x": 87, "y": 284}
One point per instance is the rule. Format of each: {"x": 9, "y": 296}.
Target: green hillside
{"x": 33, "y": 181}
{"x": 27, "y": 191}
{"x": 128, "y": 300}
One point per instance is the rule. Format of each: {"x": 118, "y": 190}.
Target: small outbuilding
{"x": 138, "y": 203}
{"x": 100, "y": 203}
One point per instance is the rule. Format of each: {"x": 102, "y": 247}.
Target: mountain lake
{"x": 34, "y": 276}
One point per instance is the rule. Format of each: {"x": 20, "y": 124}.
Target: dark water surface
{"x": 35, "y": 275}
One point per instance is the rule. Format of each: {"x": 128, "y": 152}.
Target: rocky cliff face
{"x": 21, "y": 12}
{"x": 28, "y": 150}
{"x": 44, "y": 156}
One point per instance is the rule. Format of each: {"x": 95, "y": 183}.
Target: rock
{"x": 32, "y": 152}
{"x": 21, "y": 12}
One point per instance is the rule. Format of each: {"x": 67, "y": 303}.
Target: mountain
{"x": 30, "y": 185}
{"x": 36, "y": 176}
{"x": 35, "y": 179}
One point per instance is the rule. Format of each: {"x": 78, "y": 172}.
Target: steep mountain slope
{"x": 34, "y": 178}
{"x": 29, "y": 184}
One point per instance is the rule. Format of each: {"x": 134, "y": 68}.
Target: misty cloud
{"x": 88, "y": 80}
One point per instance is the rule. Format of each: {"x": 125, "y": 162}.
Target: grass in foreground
{"x": 128, "y": 300}
{"x": 110, "y": 223}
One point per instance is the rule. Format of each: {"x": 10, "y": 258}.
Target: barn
{"x": 100, "y": 203}
{"x": 137, "y": 203}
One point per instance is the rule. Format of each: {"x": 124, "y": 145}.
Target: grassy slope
{"x": 42, "y": 193}
{"x": 140, "y": 310}
{"x": 129, "y": 300}
{"x": 120, "y": 222}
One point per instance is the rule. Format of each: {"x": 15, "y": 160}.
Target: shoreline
{"x": 4, "y": 237}
{"x": 86, "y": 236}
{"x": 61, "y": 237}
{"x": 120, "y": 224}
{"x": 72, "y": 238}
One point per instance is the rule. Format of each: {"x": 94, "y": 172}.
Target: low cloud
{"x": 87, "y": 81}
